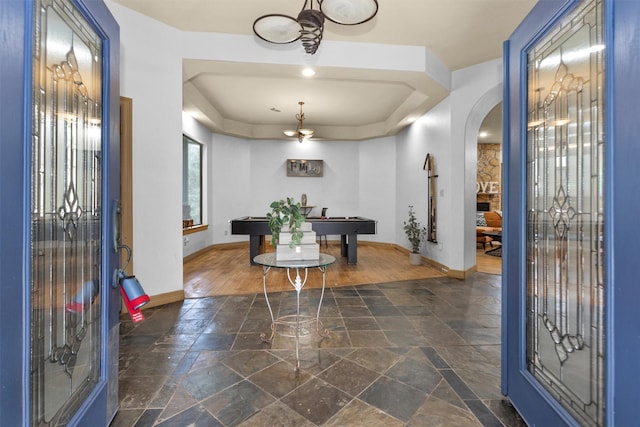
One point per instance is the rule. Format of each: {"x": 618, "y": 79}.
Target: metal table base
{"x": 294, "y": 325}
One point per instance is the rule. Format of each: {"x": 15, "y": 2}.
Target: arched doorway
{"x": 491, "y": 100}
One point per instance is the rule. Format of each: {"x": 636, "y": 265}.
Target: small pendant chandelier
{"x": 301, "y": 133}
{"x": 309, "y": 25}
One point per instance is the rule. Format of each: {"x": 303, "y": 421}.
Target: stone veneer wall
{"x": 490, "y": 170}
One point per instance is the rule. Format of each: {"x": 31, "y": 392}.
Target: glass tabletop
{"x": 269, "y": 260}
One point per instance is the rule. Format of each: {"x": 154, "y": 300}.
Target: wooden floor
{"x": 225, "y": 270}
{"x": 487, "y": 263}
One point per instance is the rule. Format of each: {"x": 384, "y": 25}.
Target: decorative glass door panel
{"x": 66, "y": 199}
{"x": 565, "y": 205}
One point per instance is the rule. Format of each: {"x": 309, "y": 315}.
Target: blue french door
{"x": 571, "y": 324}
{"x": 59, "y": 183}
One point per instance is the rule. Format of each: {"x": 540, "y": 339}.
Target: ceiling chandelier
{"x": 309, "y": 25}
{"x": 301, "y": 133}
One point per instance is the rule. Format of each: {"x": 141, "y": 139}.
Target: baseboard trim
{"x": 432, "y": 263}
{"x": 233, "y": 245}
{"x": 166, "y": 298}
{"x": 462, "y": 274}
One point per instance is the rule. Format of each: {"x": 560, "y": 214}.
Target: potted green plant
{"x": 285, "y": 213}
{"x": 416, "y": 235}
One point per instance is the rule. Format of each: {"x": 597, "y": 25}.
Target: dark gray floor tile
{"x": 279, "y": 379}
{"x": 126, "y": 417}
{"x": 384, "y": 310}
{"x": 406, "y": 338}
{"x": 237, "y": 403}
{"x": 137, "y": 392}
{"x": 486, "y": 417}
{"x": 155, "y": 363}
{"x": 415, "y": 374}
{"x": 349, "y": 377}
{"x": 188, "y": 327}
{"x": 250, "y": 341}
{"x": 506, "y": 413}
{"x": 421, "y": 292}
{"x": 390, "y": 323}
{"x": 369, "y": 292}
{"x": 354, "y": 301}
{"x": 393, "y": 397}
{"x": 435, "y": 358}
{"x": 445, "y": 393}
{"x": 376, "y": 300}
{"x": 216, "y": 341}
{"x": 438, "y": 413}
{"x": 415, "y": 310}
{"x": 368, "y": 339}
{"x": 222, "y": 326}
{"x": 249, "y": 362}
{"x": 376, "y": 359}
{"x": 315, "y": 361}
{"x": 198, "y": 313}
{"x": 174, "y": 342}
{"x": 205, "y": 382}
{"x": 361, "y": 324}
{"x": 483, "y": 379}
{"x": 352, "y": 311}
{"x": 195, "y": 416}
{"x": 341, "y": 293}
{"x": 277, "y": 414}
{"x": 458, "y": 385}
{"x": 165, "y": 393}
{"x": 180, "y": 400}
{"x": 358, "y": 413}
{"x": 148, "y": 418}
{"x": 317, "y": 400}
{"x": 410, "y": 351}
{"x": 138, "y": 343}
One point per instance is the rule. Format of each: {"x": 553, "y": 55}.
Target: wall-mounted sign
{"x": 488, "y": 187}
{"x": 304, "y": 168}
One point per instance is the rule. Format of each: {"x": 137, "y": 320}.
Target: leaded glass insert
{"x": 65, "y": 234}
{"x": 565, "y": 213}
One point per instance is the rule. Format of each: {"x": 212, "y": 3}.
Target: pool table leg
{"x": 349, "y": 247}
{"x": 352, "y": 249}
{"x": 256, "y": 242}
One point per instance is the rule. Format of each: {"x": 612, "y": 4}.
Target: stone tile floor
{"x": 411, "y": 353}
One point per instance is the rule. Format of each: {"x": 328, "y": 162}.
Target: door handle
{"x": 116, "y": 218}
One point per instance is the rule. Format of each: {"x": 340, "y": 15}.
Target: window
{"x": 191, "y": 182}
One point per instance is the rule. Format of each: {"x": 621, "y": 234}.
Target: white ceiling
{"x": 340, "y": 103}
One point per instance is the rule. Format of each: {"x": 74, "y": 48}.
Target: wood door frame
{"x": 126, "y": 179}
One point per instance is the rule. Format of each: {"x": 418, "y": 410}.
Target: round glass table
{"x": 294, "y": 325}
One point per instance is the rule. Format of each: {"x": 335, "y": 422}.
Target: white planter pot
{"x": 415, "y": 259}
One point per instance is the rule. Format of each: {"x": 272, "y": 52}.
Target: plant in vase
{"x": 416, "y": 235}
{"x": 285, "y": 213}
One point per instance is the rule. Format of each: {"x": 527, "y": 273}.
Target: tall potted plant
{"x": 285, "y": 213}
{"x": 416, "y": 235}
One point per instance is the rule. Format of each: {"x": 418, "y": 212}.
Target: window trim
{"x": 186, "y": 140}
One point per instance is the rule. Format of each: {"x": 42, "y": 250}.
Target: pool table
{"x": 348, "y": 227}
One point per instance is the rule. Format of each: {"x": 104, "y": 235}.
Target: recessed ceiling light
{"x": 483, "y": 134}
{"x": 308, "y": 72}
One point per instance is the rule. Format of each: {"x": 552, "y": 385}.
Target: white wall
{"x": 430, "y": 134}
{"x": 449, "y": 132}
{"x": 469, "y": 104}
{"x": 246, "y": 176}
{"x": 377, "y": 178}
{"x": 150, "y": 74}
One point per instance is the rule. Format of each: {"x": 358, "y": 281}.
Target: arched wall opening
{"x": 472, "y": 127}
